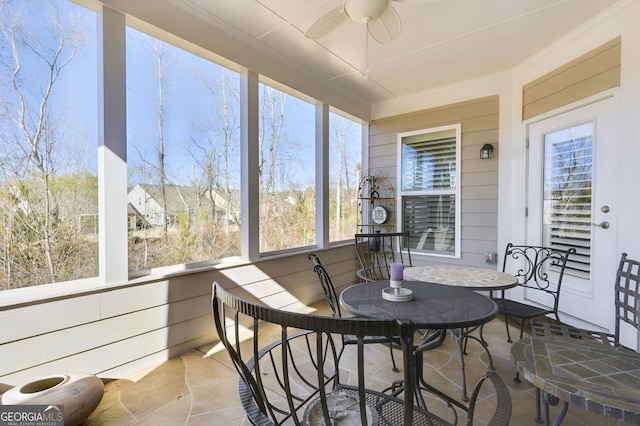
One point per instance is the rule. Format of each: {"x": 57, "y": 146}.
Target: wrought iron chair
{"x": 539, "y": 270}
{"x": 377, "y": 251}
{"x": 296, "y": 378}
{"x": 627, "y": 307}
{"x": 334, "y": 306}
{"x": 627, "y": 303}
{"x": 502, "y": 413}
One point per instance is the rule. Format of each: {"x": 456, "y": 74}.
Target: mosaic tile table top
{"x": 590, "y": 375}
{"x": 461, "y": 276}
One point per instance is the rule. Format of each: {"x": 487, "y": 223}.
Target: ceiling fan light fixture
{"x": 365, "y": 10}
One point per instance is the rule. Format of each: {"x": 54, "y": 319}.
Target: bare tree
{"x": 214, "y": 148}
{"x": 272, "y": 106}
{"x": 145, "y": 249}
{"x": 287, "y": 203}
{"x": 33, "y": 143}
{"x": 162, "y": 59}
{"x": 341, "y": 139}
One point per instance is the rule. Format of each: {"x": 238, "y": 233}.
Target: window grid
{"x": 429, "y": 196}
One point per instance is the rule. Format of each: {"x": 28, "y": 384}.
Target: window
{"x": 48, "y": 134}
{"x": 345, "y": 169}
{"x": 567, "y": 203}
{"x": 183, "y": 145}
{"x": 429, "y": 191}
{"x": 286, "y": 170}
{"x": 183, "y": 154}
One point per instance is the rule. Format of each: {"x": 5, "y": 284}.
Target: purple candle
{"x": 396, "y": 271}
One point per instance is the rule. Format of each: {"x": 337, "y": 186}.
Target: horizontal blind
{"x": 568, "y": 192}
{"x": 429, "y": 164}
{"x": 430, "y": 222}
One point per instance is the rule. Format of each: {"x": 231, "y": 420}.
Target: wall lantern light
{"x": 485, "y": 151}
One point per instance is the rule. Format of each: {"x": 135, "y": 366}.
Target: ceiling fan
{"x": 379, "y": 16}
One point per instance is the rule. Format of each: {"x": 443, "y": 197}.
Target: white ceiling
{"x": 442, "y": 42}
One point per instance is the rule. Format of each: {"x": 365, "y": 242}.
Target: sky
{"x": 186, "y": 101}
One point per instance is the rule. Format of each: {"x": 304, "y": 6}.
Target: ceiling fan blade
{"x": 327, "y": 23}
{"x": 387, "y": 27}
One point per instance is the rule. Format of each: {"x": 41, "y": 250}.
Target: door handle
{"x": 603, "y": 224}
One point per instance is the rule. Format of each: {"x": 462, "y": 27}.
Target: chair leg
{"x": 506, "y": 323}
{"x": 458, "y": 335}
{"x": 466, "y": 336}
{"x": 517, "y": 377}
{"x": 522, "y": 329}
{"x": 486, "y": 347}
{"x": 393, "y": 360}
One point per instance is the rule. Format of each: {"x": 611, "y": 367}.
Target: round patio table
{"x": 470, "y": 277}
{"x": 587, "y": 374}
{"x": 433, "y": 307}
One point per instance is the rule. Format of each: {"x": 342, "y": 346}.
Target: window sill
{"x": 27, "y": 296}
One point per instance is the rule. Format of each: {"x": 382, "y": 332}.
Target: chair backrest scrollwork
{"x": 538, "y": 268}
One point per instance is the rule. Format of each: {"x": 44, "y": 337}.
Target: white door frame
{"x": 600, "y": 290}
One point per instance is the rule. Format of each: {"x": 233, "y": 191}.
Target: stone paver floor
{"x": 200, "y": 386}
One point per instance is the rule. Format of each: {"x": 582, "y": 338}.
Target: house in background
{"x": 149, "y": 208}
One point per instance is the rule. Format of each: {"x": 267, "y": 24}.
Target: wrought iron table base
{"x": 432, "y": 341}
{"x": 549, "y": 400}
{"x": 460, "y": 337}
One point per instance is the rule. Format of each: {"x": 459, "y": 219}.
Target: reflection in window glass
{"x": 287, "y": 170}
{"x": 568, "y": 191}
{"x": 430, "y": 220}
{"x": 48, "y": 150}
{"x": 345, "y": 169}
{"x": 183, "y": 156}
{"x": 429, "y": 189}
{"x": 429, "y": 161}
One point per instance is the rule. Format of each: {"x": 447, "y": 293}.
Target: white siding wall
{"x": 118, "y": 331}
{"x": 478, "y": 178}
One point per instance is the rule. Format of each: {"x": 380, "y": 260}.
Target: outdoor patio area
{"x": 200, "y": 387}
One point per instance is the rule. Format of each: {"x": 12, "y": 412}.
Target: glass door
{"x": 572, "y": 204}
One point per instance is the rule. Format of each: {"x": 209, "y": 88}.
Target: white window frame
{"x": 112, "y": 166}
{"x": 456, "y": 192}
